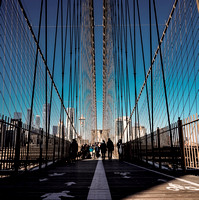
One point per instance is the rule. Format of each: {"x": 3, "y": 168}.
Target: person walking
{"x": 110, "y": 147}
{"x": 103, "y": 149}
{"x": 73, "y": 150}
{"x": 94, "y": 154}
{"x": 97, "y": 150}
{"x": 91, "y": 151}
{"x": 119, "y": 146}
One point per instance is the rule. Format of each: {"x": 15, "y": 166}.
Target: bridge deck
{"x": 76, "y": 181}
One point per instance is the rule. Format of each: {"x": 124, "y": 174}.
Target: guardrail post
{"x": 152, "y": 148}
{"x": 41, "y": 147}
{"x": 158, "y": 133}
{"x": 146, "y": 149}
{"x": 140, "y": 149}
{"x": 54, "y": 145}
{"x": 17, "y": 147}
{"x": 181, "y": 141}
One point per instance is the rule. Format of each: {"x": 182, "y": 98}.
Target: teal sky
{"x": 32, "y": 7}
{"x": 163, "y": 9}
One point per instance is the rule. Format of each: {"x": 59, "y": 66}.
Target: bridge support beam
{"x": 158, "y": 133}
{"x": 41, "y": 148}
{"x": 17, "y": 148}
{"x": 146, "y": 148}
{"x": 181, "y": 141}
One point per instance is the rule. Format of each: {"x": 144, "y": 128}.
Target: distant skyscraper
{"x": 55, "y": 130}
{"x": 17, "y": 115}
{"x": 118, "y": 128}
{"x": 138, "y": 131}
{"x": 28, "y": 118}
{"x": 120, "y": 125}
{"x": 44, "y": 116}
{"x": 70, "y": 133}
{"x": 60, "y": 129}
{"x": 37, "y": 122}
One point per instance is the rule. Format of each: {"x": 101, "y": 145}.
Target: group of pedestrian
{"x": 108, "y": 146}
{"x": 90, "y": 151}
{"x": 93, "y": 151}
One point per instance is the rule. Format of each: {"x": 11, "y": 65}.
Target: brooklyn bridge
{"x": 92, "y": 73}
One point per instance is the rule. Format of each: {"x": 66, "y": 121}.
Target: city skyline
{"x": 99, "y": 99}
{"x": 79, "y": 89}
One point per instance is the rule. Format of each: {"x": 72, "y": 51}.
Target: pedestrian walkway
{"x": 99, "y": 188}
{"x": 96, "y": 179}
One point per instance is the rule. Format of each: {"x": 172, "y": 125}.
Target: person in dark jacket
{"x": 73, "y": 150}
{"x": 110, "y": 147}
{"x": 103, "y": 149}
{"x": 97, "y": 150}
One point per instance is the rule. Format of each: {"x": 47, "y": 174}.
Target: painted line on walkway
{"x": 99, "y": 188}
{"x": 173, "y": 177}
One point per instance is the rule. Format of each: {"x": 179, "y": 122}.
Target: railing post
{"x": 133, "y": 152}
{"x": 62, "y": 149}
{"x": 140, "y": 149}
{"x": 158, "y": 133}
{"x": 181, "y": 141}
{"x": 152, "y": 148}
{"x": 2, "y": 131}
{"x": 17, "y": 147}
{"x": 54, "y": 145}
{"x": 146, "y": 149}
{"x": 41, "y": 147}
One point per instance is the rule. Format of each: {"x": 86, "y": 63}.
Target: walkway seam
{"x": 99, "y": 188}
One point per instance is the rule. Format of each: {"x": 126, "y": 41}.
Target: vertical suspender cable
{"x": 46, "y": 84}
{"x": 154, "y": 57}
{"x": 134, "y": 61}
{"x": 43, "y": 59}
{"x": 143, "y": 58}
{"x": 55, "y": 45}
{"x": 121, "y": 55}
{"x": 66, "y": 34}
{"x": 62, "y": 111}
{"x": 127, "y": 83}
{"x": 151, "y": 80}
{"x": 34, "y": 80}
{"x": 163, "y": 77}
{"x": 132, "y": 50}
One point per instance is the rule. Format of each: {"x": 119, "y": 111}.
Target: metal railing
{"x": 14, "y": 143}
{"x": 155, "y": 148}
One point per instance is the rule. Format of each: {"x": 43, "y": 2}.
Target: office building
{"x": 44, "y": 116}
{"x": 28, "y": 118}
{"x": 17, "y": 115}
{"x": 37, "y": 122}
{"x": 70, "y": 133}
{"x": 55, "y": 130}
{"x": 120, "y": 125}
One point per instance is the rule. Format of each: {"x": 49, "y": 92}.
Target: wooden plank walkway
{"x": 125, "y": 181}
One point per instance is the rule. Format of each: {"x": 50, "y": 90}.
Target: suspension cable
{"x": 156, "y": 53}
{"x": 42, "y": 56}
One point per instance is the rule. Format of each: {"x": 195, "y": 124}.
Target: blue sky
{"x": 164, "y": 7}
